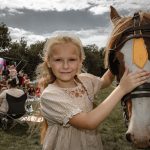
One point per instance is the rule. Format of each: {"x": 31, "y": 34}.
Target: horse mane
{"x": 122, "y": 24}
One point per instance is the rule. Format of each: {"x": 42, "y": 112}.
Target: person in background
{"x": 31, "y": 90}
{"x": 6, "y": 72}
{"x": 12, "y": 71}
{"x": 67, "y": 96}
{"x": 12, "y": 90}
{"x": 20, "y": 78}
{"x": 3, "y": 84}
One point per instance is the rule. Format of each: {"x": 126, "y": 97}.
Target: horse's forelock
{"x": 117, "y": 31}
{"x": 120, "y": 27}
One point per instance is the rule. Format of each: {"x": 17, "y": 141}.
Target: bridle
{"x": 136, "y": 31}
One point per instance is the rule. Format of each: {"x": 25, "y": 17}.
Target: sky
{"x": 36, "y": 20}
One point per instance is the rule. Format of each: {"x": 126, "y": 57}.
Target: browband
{"x": 130, "y": 30}
{"x": 129, "y": 38}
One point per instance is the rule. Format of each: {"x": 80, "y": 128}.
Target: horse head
{"x": 129, "y": 45}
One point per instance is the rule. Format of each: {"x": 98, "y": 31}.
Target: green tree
{"x": 33, "y": 58}
{"x": 101, "y": 61}
{"x": 94, "y": 60}
{"x": 4, "y": 37}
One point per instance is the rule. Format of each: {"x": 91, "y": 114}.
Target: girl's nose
{"x": 65, "y": 64}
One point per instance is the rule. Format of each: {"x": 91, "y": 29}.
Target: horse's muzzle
{"x": 141, "y": 143}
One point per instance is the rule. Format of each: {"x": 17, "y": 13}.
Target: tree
{"x": 101, "y": 61}
{"x": 4, "y": 37}
{"x": 33, "y": 58}
{"x": 94, "y": 60}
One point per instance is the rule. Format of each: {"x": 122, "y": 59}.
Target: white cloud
{"x": 13, "y": 11}
{"x": 95, "y": 6}
{"x": 45, "y": 5}
{"x": 131, "y": 6}
{"x": 93, "y": 36}
{"x": 99, "y": 9}
{"x": 16, "y": 34}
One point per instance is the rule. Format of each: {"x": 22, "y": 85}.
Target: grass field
{"x": 18, "y": 139}
{"x": 112, "y": 132}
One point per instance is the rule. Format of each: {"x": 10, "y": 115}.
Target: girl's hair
{"x": 45, "y": 75}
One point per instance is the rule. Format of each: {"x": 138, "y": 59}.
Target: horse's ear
{"x": 114, "y": 15}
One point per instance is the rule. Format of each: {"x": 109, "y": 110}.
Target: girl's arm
{"x": 107, "y": 79}
{"x": 92, "y": 119}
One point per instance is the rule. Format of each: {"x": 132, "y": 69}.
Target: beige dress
{"x": 60, "y": 104}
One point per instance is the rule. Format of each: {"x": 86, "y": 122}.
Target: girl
{"x": 68, "y": 94}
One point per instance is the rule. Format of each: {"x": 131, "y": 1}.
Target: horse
{"x": 129, "y": 45}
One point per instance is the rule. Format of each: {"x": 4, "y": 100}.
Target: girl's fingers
{"x": 141, "y": 82}
{"x": 142, "y": 79}
{"x": 126, "y": 72}
{"x": 140, "y": 74}
{"x": 131, "y": 80}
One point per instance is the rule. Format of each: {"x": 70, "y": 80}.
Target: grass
{"x": 18, "y": 139}
{"x": 112, "y": 132}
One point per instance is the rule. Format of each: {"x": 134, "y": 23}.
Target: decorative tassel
{"x": 140, "y": 54}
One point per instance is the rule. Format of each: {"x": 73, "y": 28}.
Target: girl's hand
{"x": 131, "y": 80}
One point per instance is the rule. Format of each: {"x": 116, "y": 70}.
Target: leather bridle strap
{"x": 129, "y": 38}
{"x": 144, "y": 87}
{"x": 143, "y": 28}
{"x": 139, "y": 95}
{"x": 137, "y": 22}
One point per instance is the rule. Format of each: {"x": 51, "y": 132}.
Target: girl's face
{"x": 65, "y": 62}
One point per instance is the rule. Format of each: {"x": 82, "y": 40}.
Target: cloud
{"x": 92, "y": 36}
{"x": 45, "y": 5}
{"x": 16, "y": 34}
{"x": 99, "y": 9}
{"x": 123, "y": 5}
{"x": 94, "y": 6}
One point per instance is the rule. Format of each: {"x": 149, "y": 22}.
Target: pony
{"x": 129, "y": 45}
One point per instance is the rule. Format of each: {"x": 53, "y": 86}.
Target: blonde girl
{"x": 68, "y": 94}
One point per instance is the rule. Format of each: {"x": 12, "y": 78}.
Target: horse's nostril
{"x": 128, "y": 137}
